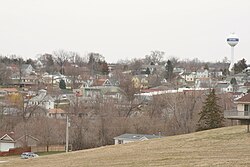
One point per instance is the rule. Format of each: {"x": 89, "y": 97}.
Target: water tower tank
{"x": 232, "y": 40}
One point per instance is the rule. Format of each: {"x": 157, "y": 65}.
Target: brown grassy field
{"x": 228, "y": 146}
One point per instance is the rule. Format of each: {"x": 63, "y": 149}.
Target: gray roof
{"x": 25, "y": 66}
{"x": 128, "y": 136}
{"x": 42, "y": 97}
{"x": 222, "y": 85}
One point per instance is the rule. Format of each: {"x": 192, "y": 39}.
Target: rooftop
{"x": 244, "y": 99}
{"x": 129, "y": 136}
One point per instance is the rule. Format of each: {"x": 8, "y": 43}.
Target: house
{"x": 105, "y": 82}
{"x": 224, "y": 87}
{"x": 24, "y": 81}
{"x": 243, "y": 105}
{"x": 215, "y": 73}
{"x": 128, "y": 138}
{"x": 237, "y": 95}
{"x": 140, "y": 81}
{"x": 6, "y": 141}
{"x": 241, "y": 112}
{"x": 42, "y": 99}
{"x": 39, "y": 64}
{"x": 57, "y": 113}
{"x": 27, "y": 69}
{"x": 178, "y": 70}
{"x": 245, "y": 87}
{"x": 180, "y": 80}
{"x": 7, "y": 91}
{"x": 202, "y": 73}
{"x": 203, "y": 83}
{"x": 188, "y": 76}
{"x": 102, "y": 91}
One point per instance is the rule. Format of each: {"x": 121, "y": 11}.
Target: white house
{"x": 202, "y": 74}
{"x": 215, "y": 73}
{"x": 224, "y": 87}
{"x": 128, "y": 138}
{"x": 6, "y": 142}
{"x": 43, "y": 99}
{"x": 27, "y": 69}
{"x": 189, "y": 76}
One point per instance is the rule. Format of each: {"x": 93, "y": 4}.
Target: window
{"x": 246, "y": 107}
{"x": 120, "y": 141}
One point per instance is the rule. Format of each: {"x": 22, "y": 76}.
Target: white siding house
{"x": 6, "y": 142}
{"x": 43, "y": 100}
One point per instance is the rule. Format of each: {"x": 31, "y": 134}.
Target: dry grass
{"x": 228, "y": 146}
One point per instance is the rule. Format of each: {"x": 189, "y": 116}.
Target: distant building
{"x": 7, "y": 91}
{"x": 128, "y": 138}
{"x": 57, "y": 113}
{"x": 27, "y": 69}
{"x": 224, "y": 87}
{"x": 42, "y": 99}
{"x": 6, "y": 141}
{"x": 242, "y": 112}
{"x": 202, "y": 74}
{"x": 188, "y": 76}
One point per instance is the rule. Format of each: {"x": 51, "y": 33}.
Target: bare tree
{"x": 135, "y": 65}
{"x": 61, "y": 57}
{"x": 5, "y": 74}
{"x": 155, "y": 57}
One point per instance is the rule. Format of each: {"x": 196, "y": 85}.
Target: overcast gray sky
{"x": 125, "y": 29}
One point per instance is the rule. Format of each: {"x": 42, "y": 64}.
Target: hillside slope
{"x": 228, "y": 146}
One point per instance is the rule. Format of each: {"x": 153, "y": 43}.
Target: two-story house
{"x": 243, "y": 105}
{"x": 43, "y": 100}
{"x": 202, "y": 73}
{"x": 242, "y": 111}
{"x": 224, "y": 87}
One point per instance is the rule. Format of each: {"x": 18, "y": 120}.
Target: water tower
{"x": 232, "y": 40}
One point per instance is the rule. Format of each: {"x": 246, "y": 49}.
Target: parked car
{"x": 27, "y": 155}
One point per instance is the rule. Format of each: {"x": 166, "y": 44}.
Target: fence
{"x": 50, "y": 148}
{"x": 15, "y": 151}
{"x": 236, "y": 113}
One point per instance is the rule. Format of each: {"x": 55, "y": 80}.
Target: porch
{"x": 243, "y": 116}
{"x": 238, "y": 115}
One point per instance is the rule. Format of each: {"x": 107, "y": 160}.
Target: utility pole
{"x": 67, "y": 133}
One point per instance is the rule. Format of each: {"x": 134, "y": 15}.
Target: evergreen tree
{"x": 239, "y": 66}
{"x": 211, "y": 115}
{"x": 147, "y": 71}
{"x": 169, "y": 70}
{"x": 62, "y": 84}
{"x": 206, "y": 67}
{"x": 104, "y": 67}
{"x": 233, "y": 81}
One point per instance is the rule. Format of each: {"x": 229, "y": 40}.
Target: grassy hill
{"x": 228, "y": 146}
